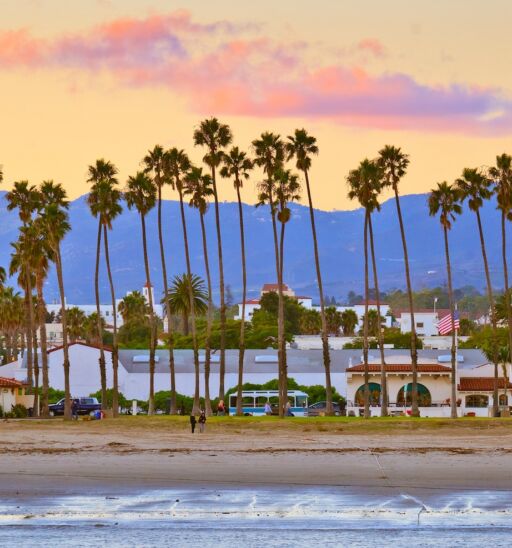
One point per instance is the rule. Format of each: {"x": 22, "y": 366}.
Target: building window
{"x": 477, "y": 400}
{"x": 420, "y": 324}
{"x": 503, "y": 399}
{"x": 374, "y": 394}
{"x": 424, "y": 397}
{"x": 20, "y": 391}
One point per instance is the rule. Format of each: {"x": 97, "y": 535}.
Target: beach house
{"x": 13, "y": 392}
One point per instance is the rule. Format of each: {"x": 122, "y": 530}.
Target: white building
{"x": 106, "y": 310}
{"x": 426, "y": 321}
{"x": 254, "y": 304}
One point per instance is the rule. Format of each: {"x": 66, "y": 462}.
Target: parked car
{"x": 86, "y": 406}
{"x": 319, "y": 408}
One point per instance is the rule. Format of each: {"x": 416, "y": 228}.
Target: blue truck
{"x": 86, "y": 406}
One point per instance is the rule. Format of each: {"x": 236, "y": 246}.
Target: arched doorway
{"x": 477, "y": 400}
{"x": 424, "y": 397}
{"x": 503, "y": 399}
{"x": 374, "y": 394}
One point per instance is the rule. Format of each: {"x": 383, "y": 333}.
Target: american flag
{"x": 444, "y": 325}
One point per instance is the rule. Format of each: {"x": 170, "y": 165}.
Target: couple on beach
{"x": 201, "y": 421}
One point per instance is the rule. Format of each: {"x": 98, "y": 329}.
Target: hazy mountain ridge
{"x": 339, "y": 235}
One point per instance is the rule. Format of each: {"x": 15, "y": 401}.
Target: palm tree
{"x": 199, "y": 187}
{"x": 502, "y": 176}
{"x": 348, "y": 322}
{"x": 215, "y": 137}
{"x": 303, "y": 146}
{"x": 104, "y": 202}
{"x": 444, "y": 199}
{"x": 364, "y": 185}
{"x": 55, "y": 221}
{"x": 76, "y": 323}
{"x": 177, "y": 167}
{"x": 269, "y": 154}
{"x": 25, "y": 198}
{"x": 140, "y": 194}
{"x": 155, "y": 161}
{"x": 394, "y": 165}
{"x": 238, "y": 165}
{"x": 178, "y": 298}
{"x": 133, "y": 307}
{"x": 287, "y": 191}
{"x": 475, "y": 186}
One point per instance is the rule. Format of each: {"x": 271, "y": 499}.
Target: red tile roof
{"x": 273, "y": 287}
{"x": 400, "y": 368}
{"x": 10, "y": 383}
{"x": 481, "y": 384}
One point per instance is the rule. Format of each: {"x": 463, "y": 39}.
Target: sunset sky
{"x": 83, "y": 79}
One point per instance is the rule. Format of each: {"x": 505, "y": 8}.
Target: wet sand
{"x": 45, "y": 457}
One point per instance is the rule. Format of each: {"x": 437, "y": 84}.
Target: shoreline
{"x": 52, "y": 457}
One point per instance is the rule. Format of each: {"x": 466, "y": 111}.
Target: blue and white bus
{"x": 253, "y": 402}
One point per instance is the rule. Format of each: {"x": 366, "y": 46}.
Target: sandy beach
{"x": 42, "y": 457}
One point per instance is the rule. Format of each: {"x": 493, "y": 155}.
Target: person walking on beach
{"x": 193, "y": 423}
{"x": 202, "y": 421}
{"x": 268, "y": 408}
{"x": 289, "y": 412}
{"x": 74, "y": 410}
{"x": 221, "y": 408}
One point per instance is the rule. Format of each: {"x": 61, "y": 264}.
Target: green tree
{"x": 133, "y": 307}
{"x": 348, "y": 322}
{"x": 215, "y": 137}
{"x": 334, "y": 320}
{"x": 310, "y": 322}
{"x": 302, "y": 146}
{"x": 444, "y": 199}
{"x": 140, "y": 194}
{"x": 237, "y": 166}
{"x": 199, "y": 187}
{"x": 155, "y": 165}
{"x": 76, "y": 324}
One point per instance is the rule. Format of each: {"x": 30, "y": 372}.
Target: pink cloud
{"x": 222, "y": 68}
{"x": 373, "y": 46}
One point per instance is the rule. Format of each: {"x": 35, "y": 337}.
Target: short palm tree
{"x": 140, "y": 194}
{"x": 133, "y": 307}
{"x": 76, "y": 324}
{"x": 177, "y": 168}
{"x": 302, "y": 147}
{"x": 394, "y": 164}
{"x": 502, "y": 177}
{"x": 215, "y": 137}
{"x": 475, "y": 187}
{"x": 105, "y": 203}
{"x": 348, "y": 322}
{"x": 364, "y": 185}
{"x": 444, "y": 199}
{"x": 178, "y": 298}
{"x": 199, "y": 187}
{"x": 55, "y": 224}
{"x": 237, "y": 166}
{"x": 154, "y": 162}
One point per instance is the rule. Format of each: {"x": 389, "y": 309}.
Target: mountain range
{"x": 340, "y": 236}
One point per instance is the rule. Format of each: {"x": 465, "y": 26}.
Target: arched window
{"x": 424, "y": 397}
{"x": 374, "y": 394}
{"x": 477, "y": 400}
{"x": 503, "y": 399}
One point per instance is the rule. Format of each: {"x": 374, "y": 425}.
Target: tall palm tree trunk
{"x": 28, "y": 331}
{"x": 452, "y": 311}
{"x": 280, "y": 324}
{"x": 490, "y": 298}
{"x": 365, "y": 323}
{"x": 115, "y": 344}
{"x": 282, "y": 339}
{"x": 325, "y": 336}
{"x": 414, "y": 351}
{"x": 222, "y": 367}
{"x": 170, "y": 339}
{"x": 196, "y": 404}
{"x": 65, "y": 345}
{"x": 505, "y": 277}
{"x": 383, "y": 380}
{"x": 36, "y": 373}
{"x": 44, "y": 346}
{"x": 103, "y": 372}
{"x": 208, "y": 341}
{"x": 241, "y": 346}
{"x": 152, "y": 327}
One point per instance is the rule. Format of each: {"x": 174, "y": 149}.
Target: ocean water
{"x": 258, "y": 517}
